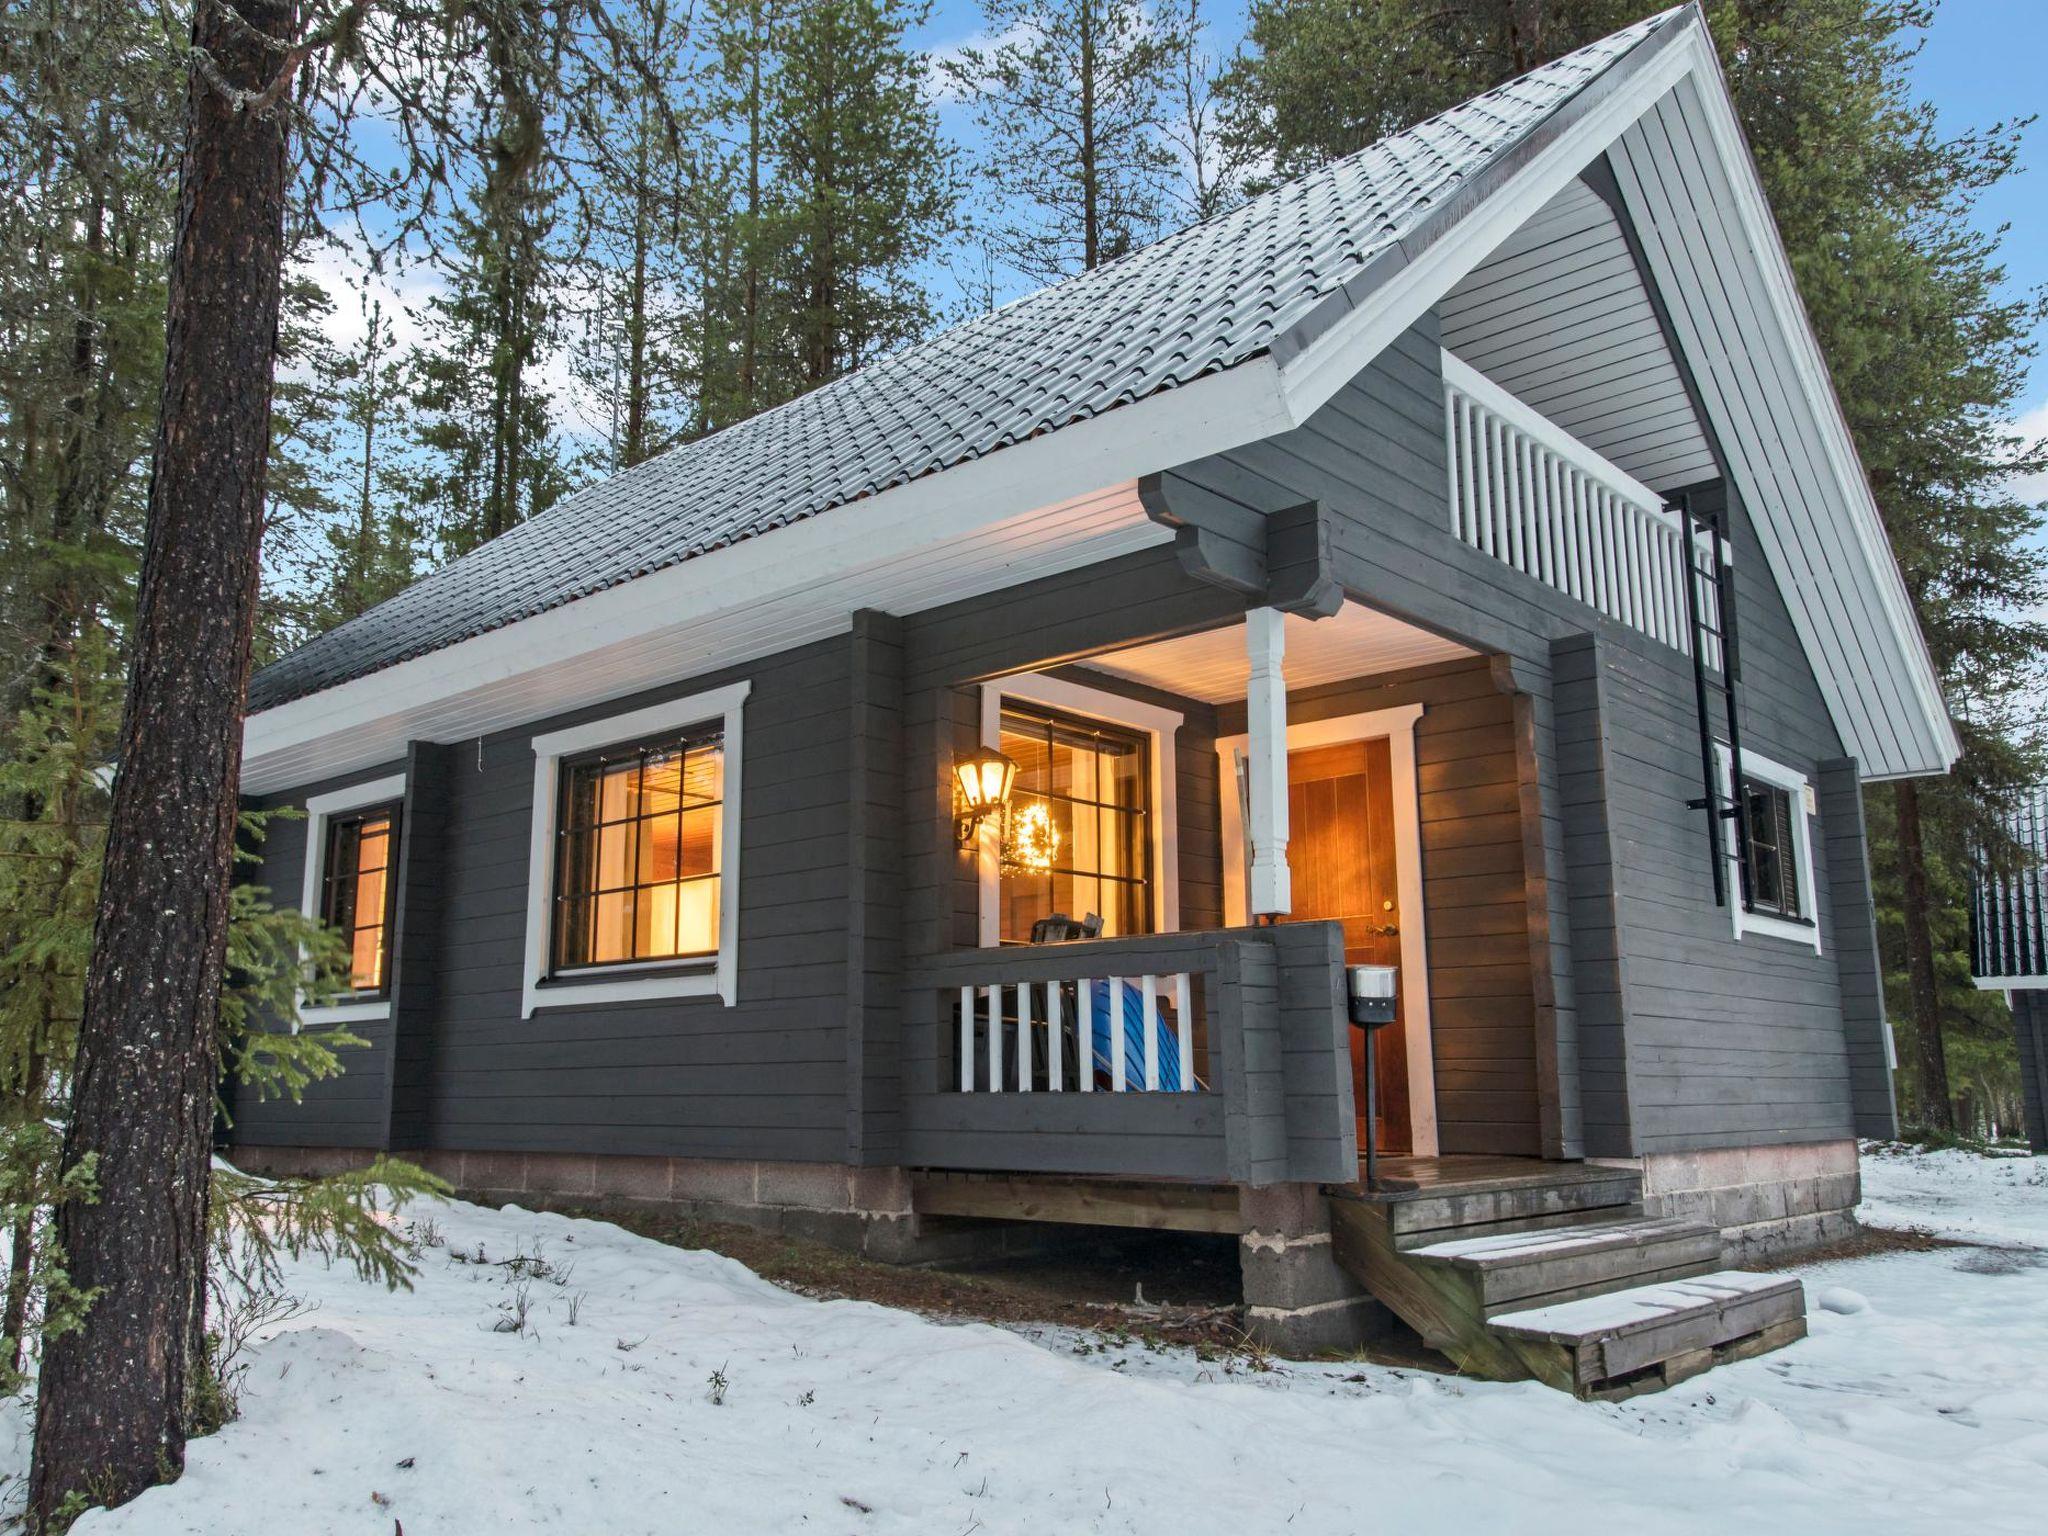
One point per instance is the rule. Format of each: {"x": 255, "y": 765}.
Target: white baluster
{"x": 967, "y": 1039}
{"x": 1118, "y": 1080}
{"x": 1482, "y": 506}
{"x": 1055, "y": 1047}
{"x": 1184, "y": 1028}
{"x": 995, "y": 1038}
{"x": 1148, "y": 1012}
{"x": 1023, "y": 1037}
{"x": 1084, "y": 1034}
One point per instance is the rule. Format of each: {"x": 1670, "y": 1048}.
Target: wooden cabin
{"x": 961, "y": 798}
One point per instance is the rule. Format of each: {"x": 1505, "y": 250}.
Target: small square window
{"x": 1771, "y": 877}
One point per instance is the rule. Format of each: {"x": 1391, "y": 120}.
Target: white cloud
{"x": 943, "y": 87}
{"x": 2032, "y": 426}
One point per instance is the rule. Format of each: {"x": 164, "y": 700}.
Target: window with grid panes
{"x": 1095, "y": 781}
{"x": 357, "y": 898}
{"x": 638, "y": 851}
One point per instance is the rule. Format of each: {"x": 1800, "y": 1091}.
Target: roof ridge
{"x": 1211, "y": 295}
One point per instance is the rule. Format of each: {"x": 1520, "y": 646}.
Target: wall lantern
{"x": 981, "y": 789}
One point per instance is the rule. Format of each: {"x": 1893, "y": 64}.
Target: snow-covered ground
{"x": 656, "y": 1390}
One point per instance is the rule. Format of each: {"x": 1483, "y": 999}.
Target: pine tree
{"x": 1073, "y": 100}
{"x": 633, "y": 360}
{"x": 1927, "y": 356}
{"x": 865, "y": 187}
{"x": 1324, "y": 78}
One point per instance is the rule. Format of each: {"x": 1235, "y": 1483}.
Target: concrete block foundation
{"x": 1768, "y": 1201}
{"x": 1298, "y": 1300}
{"x": 861, "y": 1210}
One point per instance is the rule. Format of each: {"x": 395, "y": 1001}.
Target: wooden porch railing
{"x": 1055, "y": 1018}
{"x": 1227, "y": 1056}
{"x": 1534, "y": 497}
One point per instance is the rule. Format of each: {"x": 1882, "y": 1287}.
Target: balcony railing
{"x": 1534, "y": 497}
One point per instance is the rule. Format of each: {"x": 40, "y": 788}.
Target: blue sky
{"x": 1983, "y": 62}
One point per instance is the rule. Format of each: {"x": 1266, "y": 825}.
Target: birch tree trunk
{"x": 110, "y": 1414}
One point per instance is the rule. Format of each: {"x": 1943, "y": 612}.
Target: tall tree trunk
{"x": 110, "y": 1413}
{"x": 1933, "y": 1104}
{"x": 1091, "y": 174}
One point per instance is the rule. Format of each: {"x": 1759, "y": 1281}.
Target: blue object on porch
{"x": 1134, "y": 1040}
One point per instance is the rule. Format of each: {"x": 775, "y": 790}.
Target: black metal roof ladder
{"x": 1714, "y": 643}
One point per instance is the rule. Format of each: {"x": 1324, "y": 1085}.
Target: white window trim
{"x": 1757, "y": 766}
{"x": 717, "y": 976}
{"x": 320, "y": 810}
{"x": 1160, "y": 727}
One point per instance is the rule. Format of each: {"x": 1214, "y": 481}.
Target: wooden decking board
{"x": 1156, "y": 1206}
{"x": 1505, "y": 1250}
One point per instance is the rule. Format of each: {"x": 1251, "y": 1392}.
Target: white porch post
{"x": 1266, "y": 762}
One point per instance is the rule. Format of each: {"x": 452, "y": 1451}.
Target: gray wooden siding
{"x": 350, "y": 1110}
{"x": 2030, "y": 1024}
{"x": 1727, "y": 1043}
{"x": 1599, "y": 981}
{"x": 678, "y": 1077}
{"x": 849, "y": 874}
{"x": 1560, "y": 317}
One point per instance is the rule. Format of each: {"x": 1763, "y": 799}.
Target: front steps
{"x": 1552, "y": 1271}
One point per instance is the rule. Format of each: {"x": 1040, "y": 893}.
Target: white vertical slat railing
{"x": 1534, "y": 497}
{"x": 1014, "y": 1037}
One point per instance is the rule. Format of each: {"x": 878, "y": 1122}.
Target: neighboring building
{"x": 1329, "y": 578}
{"x": 2009, "y": 954}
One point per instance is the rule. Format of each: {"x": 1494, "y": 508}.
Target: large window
{"x": 358, "y": 893}
{"x": 1091, "y": 785}
{"x": 635, "y": 856}
{"x": 638, "y": 858}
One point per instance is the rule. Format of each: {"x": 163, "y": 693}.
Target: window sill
{"x": 590, "y": 989}
{"x": 346, "y": 1013}
{"x": 1792, "y": 930}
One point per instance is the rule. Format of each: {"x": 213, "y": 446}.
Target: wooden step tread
{"x": 1655, "y": 1336}
{"x": 1619, "y": 1314}
{"x": 1506, "y": 1249}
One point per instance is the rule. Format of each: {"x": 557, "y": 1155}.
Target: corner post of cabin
{"x": 1265, "y": 641}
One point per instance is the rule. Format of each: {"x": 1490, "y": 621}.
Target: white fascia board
{"x": 1349, "y": 346}
{"x": 1222, "y": 411}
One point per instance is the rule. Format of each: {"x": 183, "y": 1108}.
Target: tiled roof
{"x": 1199, "y": 301}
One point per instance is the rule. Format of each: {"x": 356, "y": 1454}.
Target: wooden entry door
{"x": 1340, "y": 809}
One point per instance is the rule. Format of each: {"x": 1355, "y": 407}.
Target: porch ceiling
{"x": 1356, "y": 641}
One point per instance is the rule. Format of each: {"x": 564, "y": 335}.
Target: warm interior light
{"x": 982, "y": 785}
{"x": 1034, "y": 842}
